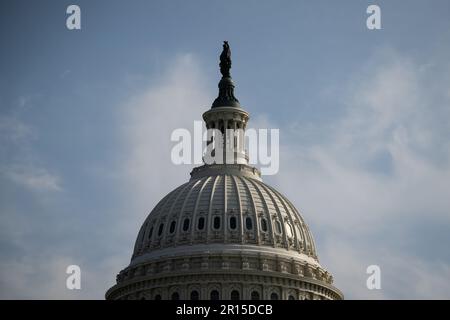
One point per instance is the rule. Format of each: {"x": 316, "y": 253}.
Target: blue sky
{"x": 86, "y": 117}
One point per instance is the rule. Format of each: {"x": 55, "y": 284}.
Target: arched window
{"x": 264, "y": 225}
{"x": 143, "y": 298}
{"x": 214, "y": 295}
{"x": 158, "y": 297}
{"x": 299, "y": 234}
{"x": 291, "y": 297}
{"x": 248, "y": 223}
{"x": 194, "y": 295}
{"x": 175, "y": 296}
{"x": 274, "y": 296}
{"x": 234, "y": 295}
{"x": 160, "y": 230}
{"x": 278, "y": 226}
{"x": 289, "y": 231}
{"x": 186, "y": 224}
{"x": 255, "y": 295}
{"x": 150, "y": 233}
{"x": 201, "y": 223}
{"x": 172, "y": 227}
{"x": 216, "y": 223}
{"x": 233, "y": 223}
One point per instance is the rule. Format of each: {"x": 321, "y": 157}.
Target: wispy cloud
{"x": 382, "y": 168}
{"x": 19, "y": 162}
{"x": 175, "y": 101}
{"x": 34, "y": 179}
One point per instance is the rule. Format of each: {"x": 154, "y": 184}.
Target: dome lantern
{"x": 227, "y": 116}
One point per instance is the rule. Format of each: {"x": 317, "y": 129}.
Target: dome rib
{"x": 209, "y": 220}
{"x": 241, "y": 224}
{"x": 297, "y": 236}
{"x": 194, "y": 214}
{"x": 280, "y": 216}
{"x": 224, "y": 213}
{"x": 308, "y": 240}
{"x": 169, "y": 214}
{"x": 245, "y": 183}
{"x": 217, "y": 196}
{"x": 181, "y": 215}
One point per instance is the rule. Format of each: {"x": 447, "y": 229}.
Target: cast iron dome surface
{"x": 224, "y": 234}
{"x": 251, "y": 213}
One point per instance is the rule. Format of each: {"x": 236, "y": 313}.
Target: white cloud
{"x": 18, "y": 161}
{"x": 35, "y": 179}
{"x": 384, "y": 162}
{"x": 13, "y": 130}
{"x": 175, "y": 101}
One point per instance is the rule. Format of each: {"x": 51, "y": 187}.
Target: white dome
{"x": 226, "y": 209}
{"x": 224, "y": 234}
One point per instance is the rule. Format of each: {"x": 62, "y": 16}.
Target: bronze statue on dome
{"x": 225, "y": 60}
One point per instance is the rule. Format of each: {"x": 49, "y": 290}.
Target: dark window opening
{"x": 150, "y": 233}
{"x": 233, "y": 223}
{"x": 216, "y": 223}
{"x": 172, "y": 227}
{"x": 249, "y": 223}
{"x": 255, "y": 295}
{"x": 201, "y": 223}
{"x": 186, "y": 224}
{"x": 214, "y": 295}
{"x": 175, "y": 296}
{"x": 194, "y": 295}
{"x": 158, "y": 297}
{"x": 161, "y": 228}
{"x": 234, "y": 295}
{"x": 274, "y": 296}
{"x": 264, "y": 225}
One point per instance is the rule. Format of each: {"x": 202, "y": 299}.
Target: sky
{"x": 86, "y": 117}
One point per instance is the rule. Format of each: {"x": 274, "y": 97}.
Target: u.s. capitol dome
{"x": 224, "y": 234}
